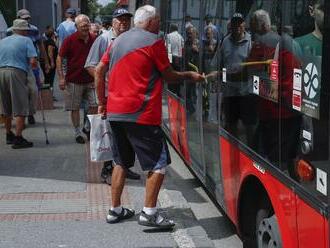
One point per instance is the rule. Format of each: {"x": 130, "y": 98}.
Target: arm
{"x": 43, "y": 54}
{"x": 51, "y": 56}
{"x": 33, "y": 62}
{"x": 91, "y": 71}
{"x": 60, "y": 72}
{"x": 175, "y": 76}
{"x": 100, "y": 72}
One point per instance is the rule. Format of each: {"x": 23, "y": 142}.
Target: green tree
{"x": 90, "y": 8}
{"x": 107, "y": 9}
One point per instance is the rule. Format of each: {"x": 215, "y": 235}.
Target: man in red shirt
{"x": 77, "y": 84}
{"x": 137, "y": 60}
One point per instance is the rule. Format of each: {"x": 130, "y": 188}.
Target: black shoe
{"x": 31, "y": 120}
{"x": 10, "y": 138}
{"x": 80, "y": 139}
{"x": 132, "y": 175}
{"x": 106, "y": 171}
{"x": 87, "y": 133}
{"x": 20, "y": 143}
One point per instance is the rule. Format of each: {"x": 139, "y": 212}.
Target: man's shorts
{"x": 14, "y": 99}
{"x": 74, "y": 94}
{"x": 146, "y": 141}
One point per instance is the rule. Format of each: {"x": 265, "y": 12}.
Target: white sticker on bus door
{"x": 297, "y": 74}
{"x": 321, "y": 181}
{"x": 256, "y": 81}
{"x": 224, "y": 75}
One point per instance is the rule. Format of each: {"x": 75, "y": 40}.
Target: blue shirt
{"x": 15, "y": 51}
{"x": 65, "y": 29}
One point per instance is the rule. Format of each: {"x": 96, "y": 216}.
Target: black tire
{"x": 267, "y": 230}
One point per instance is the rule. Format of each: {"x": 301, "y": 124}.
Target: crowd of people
{"x": 116, "y": 71}
{"x": 91, "y": 64}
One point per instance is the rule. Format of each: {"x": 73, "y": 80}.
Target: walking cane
{"x": 37, "y": 76}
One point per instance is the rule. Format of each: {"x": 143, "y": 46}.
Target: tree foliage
{"x": 107, "y": 9}
{"x": 90, "y": 8}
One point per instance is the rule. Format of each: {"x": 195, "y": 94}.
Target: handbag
{"x": 100, "y": 138}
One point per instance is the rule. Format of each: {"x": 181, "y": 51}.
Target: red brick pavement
{"x": 97, "y": 195}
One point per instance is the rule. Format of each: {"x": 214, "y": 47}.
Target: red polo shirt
{"x": 136, "y": 59}
{"x": 75, "y": 50}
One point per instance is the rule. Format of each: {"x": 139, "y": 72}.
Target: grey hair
{"x": 144, "y": 14}
{"x": 262, "y": 18}
{"x": 80, "y": 18}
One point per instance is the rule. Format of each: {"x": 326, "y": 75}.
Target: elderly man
{"x": 137, "y": 59}
{"x": 121, "y": 22}
{"x": 17, "y": 53}
{"x": 77, "y": 83}
{"x": 35, "y": 36}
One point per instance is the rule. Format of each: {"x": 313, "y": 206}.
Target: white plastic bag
{"x": 100, "y": 145}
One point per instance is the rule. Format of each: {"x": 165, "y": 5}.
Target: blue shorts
{"x": 146, "y": 141}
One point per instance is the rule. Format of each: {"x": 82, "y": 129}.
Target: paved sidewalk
{"x": 51, "y": 196}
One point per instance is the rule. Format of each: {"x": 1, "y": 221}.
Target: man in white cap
{"x": 17, "y": 54}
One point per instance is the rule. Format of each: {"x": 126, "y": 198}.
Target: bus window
{"x": 175, "y": 43}
{"x": 309, "y": 97}
{"x": 192, "y": 53}
{"x": 247, "y": 55}
{"x": 211, "y": 39}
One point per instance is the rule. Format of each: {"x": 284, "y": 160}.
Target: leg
{"x": 8, "y": 123}
{"x": 117, "y": 185}
{"x": 19, "y": 125}
{"x": 153, "y": 185}
{"x": 75, "y": 118}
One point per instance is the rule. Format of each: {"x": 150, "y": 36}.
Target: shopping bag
{"x": 100, "y": 135}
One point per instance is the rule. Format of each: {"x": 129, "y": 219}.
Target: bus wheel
{"x": 268, "y": 233}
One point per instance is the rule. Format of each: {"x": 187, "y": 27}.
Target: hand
{"x": 62, "y": 84}
{"x": 194, "y": 76}
{"x": 102, "y": 110}
{"x": 52, "y": 65}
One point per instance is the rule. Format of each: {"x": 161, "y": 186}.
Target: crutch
{"x": 36, "y": 73}
{"x": 43, "y": 116}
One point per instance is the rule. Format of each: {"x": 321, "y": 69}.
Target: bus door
{"x": 211, "y": 37}
{"x": 193, "y": 26}
{"x": 305, "y": 143}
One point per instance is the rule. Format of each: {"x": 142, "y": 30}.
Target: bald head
{"x": 83, "y": 24}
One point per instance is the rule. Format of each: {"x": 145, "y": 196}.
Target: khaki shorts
{"x": 75, "y": 94}
{"x": 14, "y": 99}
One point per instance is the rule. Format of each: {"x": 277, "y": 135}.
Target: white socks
{"x": 150, "y": 211}
{"x": 77, "y": 131}
{"x": 117, "y": 210}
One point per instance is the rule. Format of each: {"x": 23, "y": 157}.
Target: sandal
{"x": 113, "y": 217}
{"x": 153, "y": 221}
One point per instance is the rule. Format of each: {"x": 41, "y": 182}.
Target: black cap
{"x": 120, "y": 12}
{"x": 237, "y": 18}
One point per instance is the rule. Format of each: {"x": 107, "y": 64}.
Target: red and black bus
{"x": 256, "y": 132}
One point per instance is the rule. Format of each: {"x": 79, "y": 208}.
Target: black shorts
{"x": 146, "y": 141}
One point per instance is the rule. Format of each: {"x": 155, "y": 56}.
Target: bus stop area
{"x": 52, "y": 196}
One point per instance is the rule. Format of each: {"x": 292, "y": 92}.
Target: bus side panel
{"x": 184, "y": 135}
{"x": 312, "y": 226}
{"x": 178, "y": 127}
{"x": 236, "y": 166}
{"x": 173, "y": 107}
